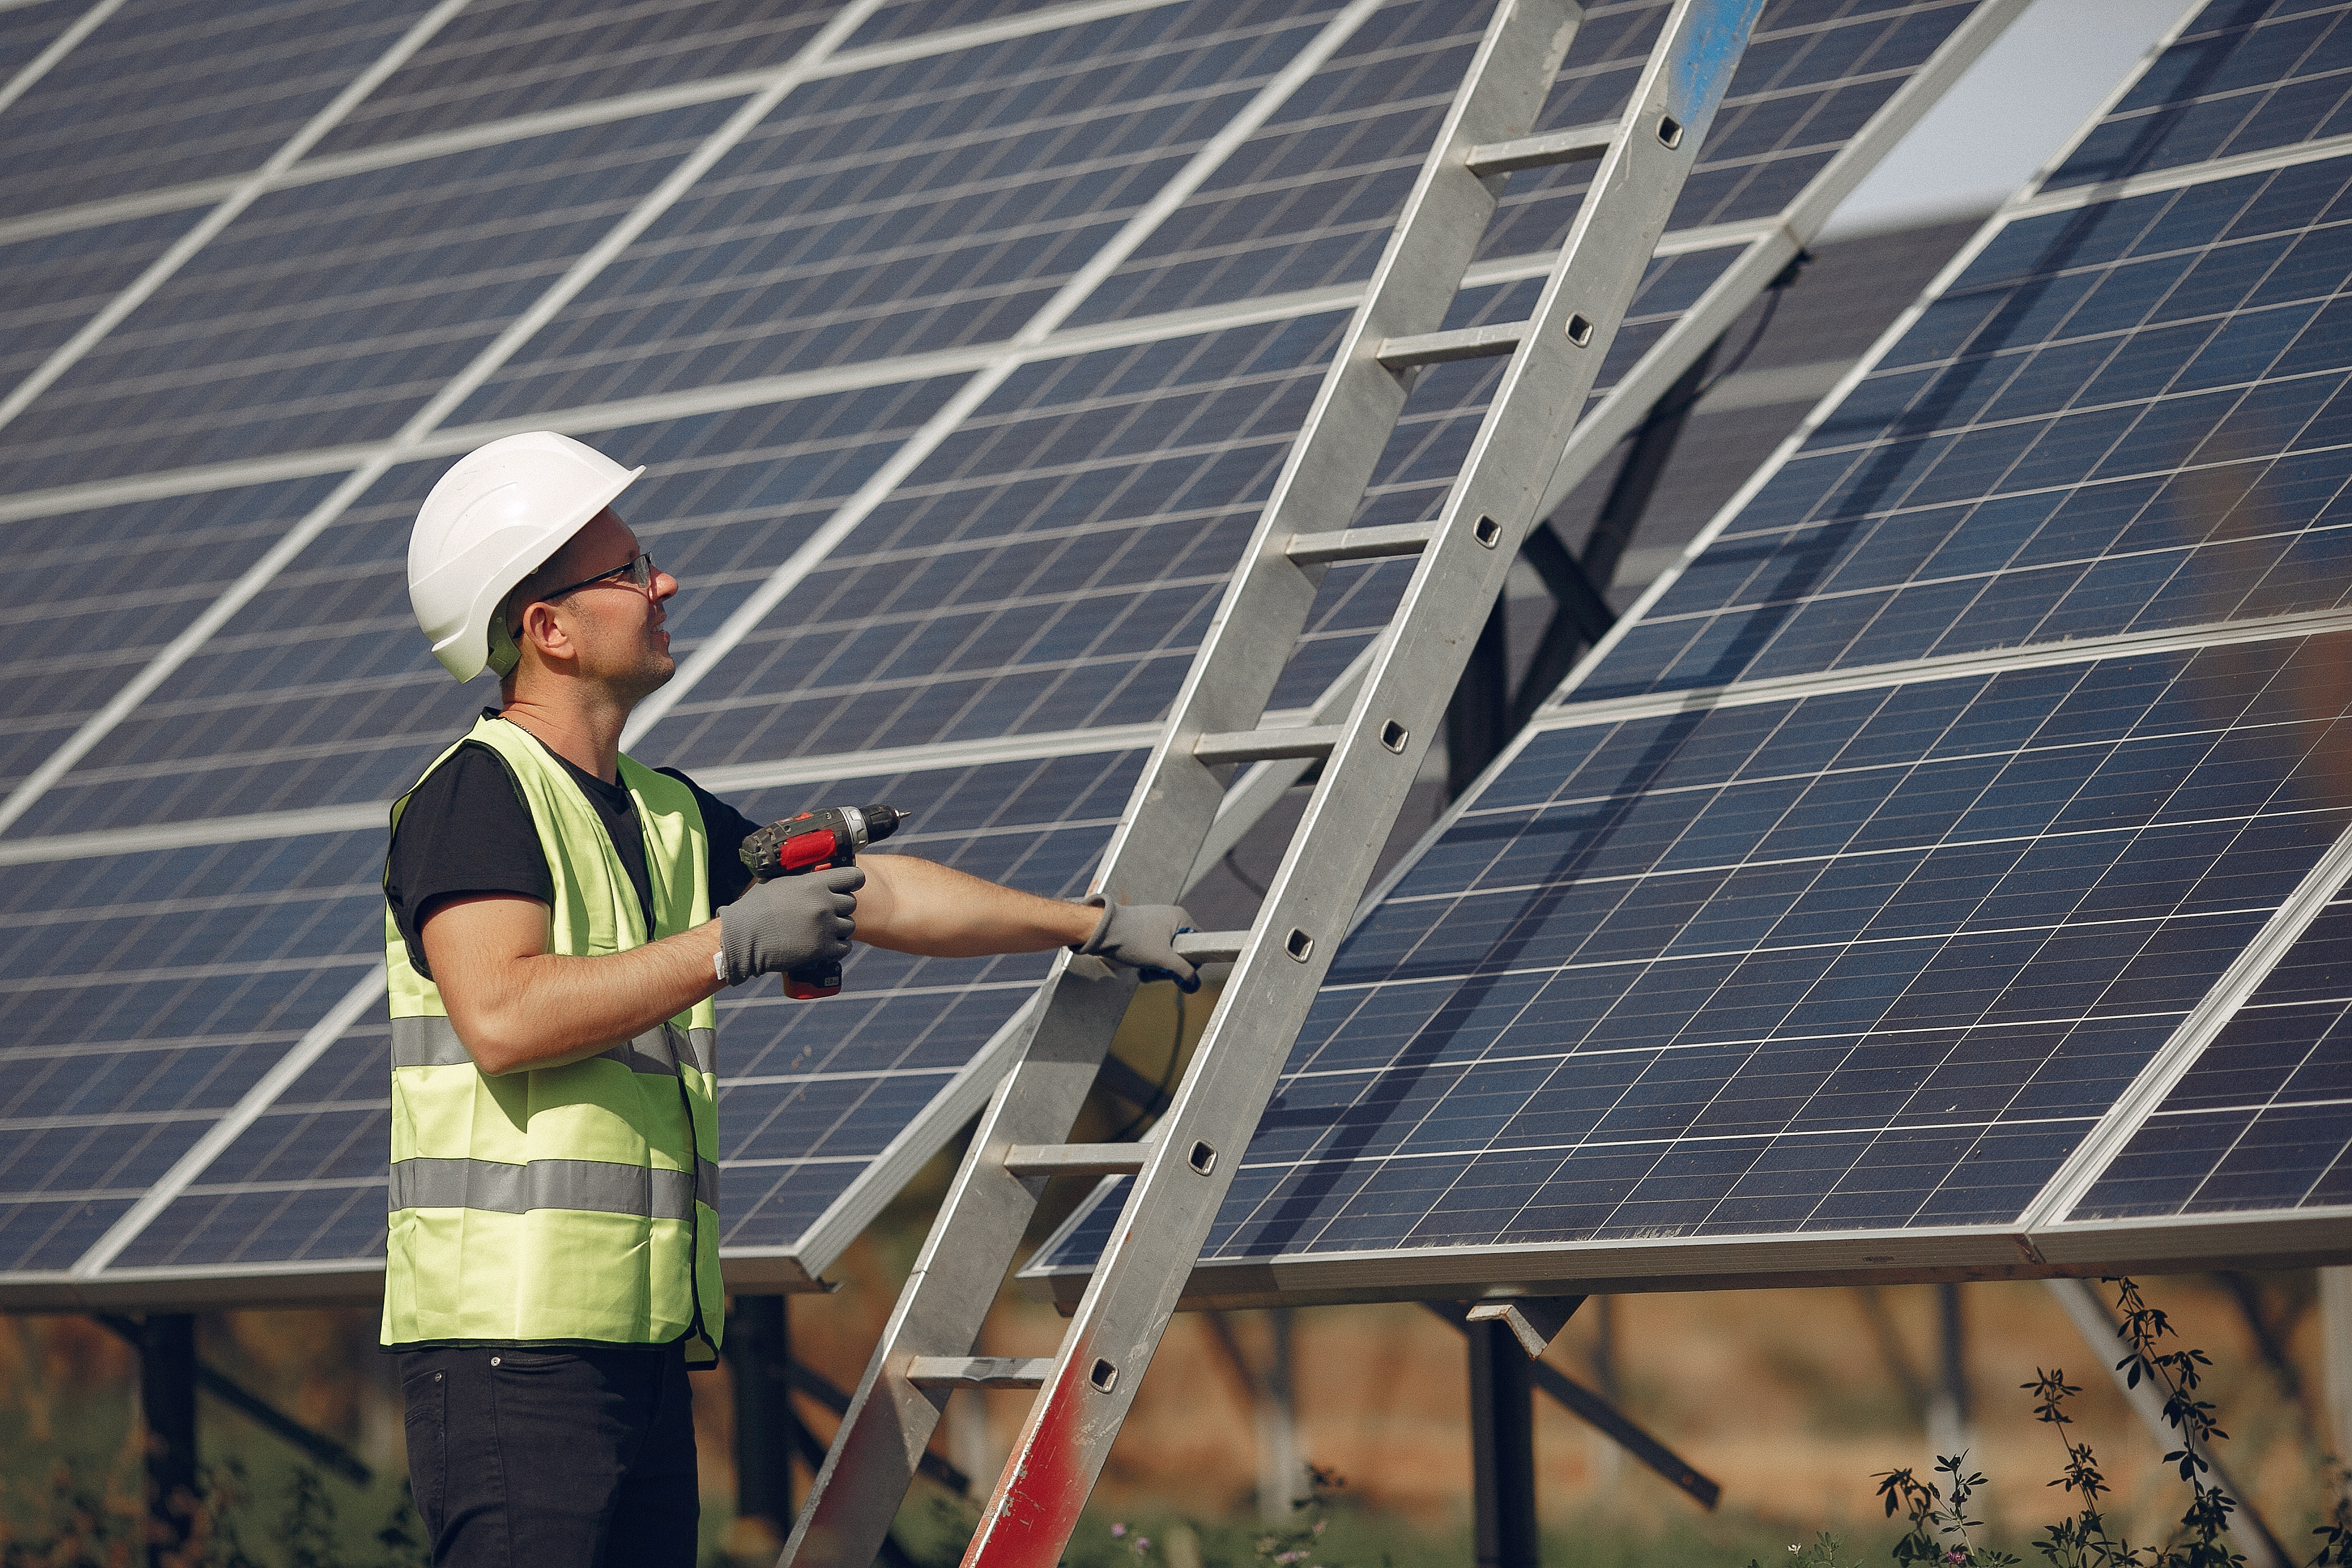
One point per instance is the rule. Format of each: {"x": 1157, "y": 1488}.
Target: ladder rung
{"x": 1076, "y": 1159}
{"x": 1462, "y": 343}
{"x": 1572, "y": 145}
{"x": 1212, "y": 946}
{"x": 980, "y": 1370}
{"x": 1258, "y": 746}
{"x": 1362, "y": 543}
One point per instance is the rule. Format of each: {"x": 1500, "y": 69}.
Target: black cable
{"x": 1772, "y": 293}
{"x": 1256, "y": 889}
{"x": 1160, "y": 1094}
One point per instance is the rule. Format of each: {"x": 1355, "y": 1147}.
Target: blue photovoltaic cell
{"x": 810, "y": 1092}
{"x": 51, "y": 286}
{"x": 145, "y": 995}
{"x": 1868, "y": 960}
{"x": 899, "y": 20}
{"x": 2263, "y": 1119}
{"x": 920, "y": 206}
{"x": 117, "y": 584}
{"x": 327, "y": 313}
{"x": 326, "y": 697}
{"x": 1051, "y": 567}
{"x": 167, "y": 91}
{"x": 2120, "y": 418}
{"x": 2244, "y": 75}
{"x": 499, "y": 59}
{"x": 1811, "y": 75}
{"x": 1309, "y": 200}
{"x": 26, "y": 30}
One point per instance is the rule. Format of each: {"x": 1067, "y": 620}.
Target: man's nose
{"x": 663, "y": 585}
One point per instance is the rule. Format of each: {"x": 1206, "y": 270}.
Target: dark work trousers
{"x": 552, "y": 1458}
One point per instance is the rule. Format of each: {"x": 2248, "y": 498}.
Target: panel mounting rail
{"x": 1369, "y": 759}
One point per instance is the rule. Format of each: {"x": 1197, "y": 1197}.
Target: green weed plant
{"x": 1937, "y": 1512}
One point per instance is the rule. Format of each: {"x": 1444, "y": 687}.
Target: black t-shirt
{"x": 467, "y": 830}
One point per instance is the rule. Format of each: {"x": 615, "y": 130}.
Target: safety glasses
{"x": 638, "y": 569}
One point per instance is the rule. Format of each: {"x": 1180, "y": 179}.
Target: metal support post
{"x": 316, "y": 1447}
{"x": 1917, "y": 1395}
{"x": 1502, "y": 1447}
{"x": 768, "y": 1435}
{"x": 2336, "y": 1358}
{"x": 167, "y": 1405}
{"x": 1949, "y": 1430}
{"x": 2267, "y": 1343}
{"x": 1478, "y": 720}
{"x": 1601, "y": 1413}
{"x": 1609, "y": 1457}
{"x": 1580, "y": 583}
{"x": 1274, "y": 1414}
{"x": 1653, "y": 443}
{"x": 1604, "y": 1346}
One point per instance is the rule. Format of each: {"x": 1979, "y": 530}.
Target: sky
{"x": 2015, "y": 108}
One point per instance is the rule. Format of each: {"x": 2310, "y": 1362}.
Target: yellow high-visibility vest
{"x": 573, "y": 1204}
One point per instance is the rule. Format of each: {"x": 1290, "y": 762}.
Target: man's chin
{"x": 652, "y": 676}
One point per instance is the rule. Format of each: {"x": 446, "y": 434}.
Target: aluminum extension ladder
{"x": 1182, "y": 1169}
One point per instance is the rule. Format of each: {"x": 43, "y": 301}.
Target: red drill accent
{"x": 805, "y": 851}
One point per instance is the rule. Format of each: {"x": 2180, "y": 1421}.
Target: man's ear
{"x": 543, "y": 629}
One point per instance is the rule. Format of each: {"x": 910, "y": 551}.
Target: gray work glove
{"x": 789, "y": 922}
{"x": 1143, "y": 936}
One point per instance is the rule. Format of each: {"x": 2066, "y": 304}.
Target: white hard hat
{"x": 495, "y": 516}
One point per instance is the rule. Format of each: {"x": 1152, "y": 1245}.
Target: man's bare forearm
{"x": 922, "y": 907}
{"x": 516, "y": 1005}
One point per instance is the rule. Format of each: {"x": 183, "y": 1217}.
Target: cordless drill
{"x": 829, "y": 836}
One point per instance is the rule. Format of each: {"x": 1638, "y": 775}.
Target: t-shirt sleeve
{"x": 726, "y": 828}
{"x": 465, "y": 831}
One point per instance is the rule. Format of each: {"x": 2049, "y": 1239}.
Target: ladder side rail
{"x": 957, "y": 1275}
{"x": 1119, "y": 1321}
{"x": 1250, "y": 638}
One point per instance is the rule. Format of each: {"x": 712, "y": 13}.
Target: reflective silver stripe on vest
{"x": 427, "y": 1043}
{"x": 656, "y": 1051}
{"x": 595, "y": 1185}
{"x": 434, "y": 1043}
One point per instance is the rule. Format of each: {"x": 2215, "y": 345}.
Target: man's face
{"x": 617, "y": 626}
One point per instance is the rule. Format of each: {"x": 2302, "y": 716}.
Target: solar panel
{"x": 960, "y": 341}
{"x": 179, "y": 92}
{"x": 2242, "y": 78}
{"x": 1934, "y": 872}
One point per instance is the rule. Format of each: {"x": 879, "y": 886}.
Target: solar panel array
{"x": 961, "y": 343}
{"x": 1942, "y": 871}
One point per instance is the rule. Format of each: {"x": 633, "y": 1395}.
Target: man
{"x": 558, "y": 919}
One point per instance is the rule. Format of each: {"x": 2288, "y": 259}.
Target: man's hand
{"x": 790, "y": 923}
{"x": 1143, "y": 936}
